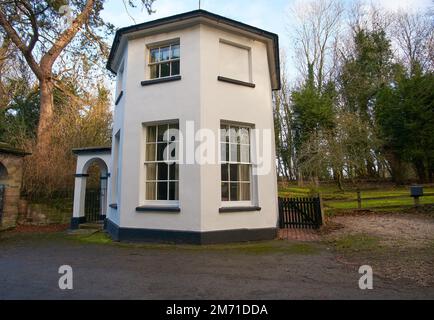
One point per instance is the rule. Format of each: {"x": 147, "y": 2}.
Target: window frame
{"x": 170, "y": 61}
{"x": 251, "y": 182}
{"x": 146, "y": 163}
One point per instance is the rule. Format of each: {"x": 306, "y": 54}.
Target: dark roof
{"x": 196, "y": 14}
{"x": 88, "y": 150}
{"x": 5, "y": 148}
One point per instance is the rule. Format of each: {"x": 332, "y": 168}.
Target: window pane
{"x": 155, "y": 71}
{"x": 151, "y": 172}
{"x": 224, "y": 152}
{"x": 234, "y": 138}
{"x": 235, "y": 153}
{"x": 150, "y": 152}
{"x": 162, "y": 171}
{"x": 173, "y": 191}
{"x": 174, "y": 132}
{"x": 172, "y": 152}
{"x": 162, "y": 191}
{"x": 175, "y": 68}
{"x": 151, "y": 134}
{"x": 165, "y": 70}
{"x": 151, "y": 191}
{"x": 245, "y": 154}
{"x": 225, "y": 191}
{"x": 155, "y": 55}
{"x": 234, "y": 192}
{"x": 224, "y": 133}
{"x": 234, "y": 174}
{"x": 175, "y": 51}
{"x": 164, "y": 54}
{"x": 225, "y": 172}
{"x": 174, "y": 172}
{"x": 244, "y": 173}
{"x": 245, "y": 191}
{"x": 162, "y": 136}
{"x": 162, "y": 152}
{"x": 244, "y": 136}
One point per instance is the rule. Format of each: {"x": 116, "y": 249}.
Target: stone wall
{"x": 12, "y": 181}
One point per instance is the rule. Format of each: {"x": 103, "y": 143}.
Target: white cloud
{"x": 411, "y": 5}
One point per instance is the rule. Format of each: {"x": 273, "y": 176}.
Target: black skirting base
{"x": 188, "y": 237}
{"x": 75, "y": 222}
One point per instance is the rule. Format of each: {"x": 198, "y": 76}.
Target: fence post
{"x": 359, "y": 199}
{"x": 321, "y": 206}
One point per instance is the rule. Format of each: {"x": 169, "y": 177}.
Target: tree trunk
{"x": 46, "y": 114}
{"x": 420, "y": 170}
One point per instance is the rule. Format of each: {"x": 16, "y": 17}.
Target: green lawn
{"x": 335, "y": 199}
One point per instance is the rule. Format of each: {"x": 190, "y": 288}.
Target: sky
{"x": 270, "y": 15}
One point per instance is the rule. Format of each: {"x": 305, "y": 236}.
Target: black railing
{"x": 92, "y": 206}
{"x": 302, "y": 213}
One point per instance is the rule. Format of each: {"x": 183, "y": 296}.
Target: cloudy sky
{"x": 266, "y": 14}
{"x": 271, "y": 15}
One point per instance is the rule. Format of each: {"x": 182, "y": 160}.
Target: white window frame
{"x": 165, "y": 203}
{"x": 159, "y": 63}
{"x": 230, "y": 203}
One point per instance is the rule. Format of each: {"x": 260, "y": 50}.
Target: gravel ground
{"x": 29, "y": 270}
{"x": 402, "y": 245}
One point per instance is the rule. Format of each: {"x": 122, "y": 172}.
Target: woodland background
{"x": 361, "y": 106}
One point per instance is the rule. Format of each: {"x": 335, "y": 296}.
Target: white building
{"x": 211, "y": 78}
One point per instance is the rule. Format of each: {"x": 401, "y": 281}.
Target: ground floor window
{"x": 236, "y": 164}
{"x": 161, "y": 166}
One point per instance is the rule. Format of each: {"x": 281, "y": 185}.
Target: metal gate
{"x": 302, "y": 213}
{"x": 2, "y": 197}
{"x": 92, "y": 205}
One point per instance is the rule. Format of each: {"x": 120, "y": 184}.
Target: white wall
{"x": 225, "y": 101}
{"x": 159, "y": 102}
{"x": 198, "y": 97}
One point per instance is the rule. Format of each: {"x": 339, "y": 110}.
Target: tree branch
{"x": 66, "y": 37}
{"x": 26, "y": 51}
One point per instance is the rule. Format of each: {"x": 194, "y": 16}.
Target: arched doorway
{"x": 91, "y": 185}
{"x": 95, "y": 200}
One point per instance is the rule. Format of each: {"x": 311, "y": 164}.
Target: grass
{"x": 357, "y": 243}
{"x": 254, "y": 248}
{"x": 336, "y": 199}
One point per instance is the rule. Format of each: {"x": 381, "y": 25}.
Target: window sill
{"x": 160, "y": 80}
{"x": 119, "y": 98}
{"x": 239, "y": 209}
{"x": 113, "y": 206}
{"x": 159, "y": 209}
{"x": 237, "y": 82}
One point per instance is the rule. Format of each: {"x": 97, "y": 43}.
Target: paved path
{"x": 28, "y": 270}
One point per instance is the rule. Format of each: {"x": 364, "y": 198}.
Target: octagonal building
{"x": 192, "y": 157}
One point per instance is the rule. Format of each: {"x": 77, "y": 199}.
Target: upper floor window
{"x": 165, "y": 61}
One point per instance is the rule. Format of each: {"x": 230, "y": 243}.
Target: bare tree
{"x": 413, "y": 33}
{"x": 316, "y": 28}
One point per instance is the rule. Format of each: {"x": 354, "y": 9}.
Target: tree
{"x": 405, "y": 114}
{"x": 316, "y": 28}
{"x": 414, "y": 35}
{"x": 36, "y": 29}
